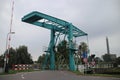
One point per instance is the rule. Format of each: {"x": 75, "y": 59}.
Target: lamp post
{"x": 6, "y": 69}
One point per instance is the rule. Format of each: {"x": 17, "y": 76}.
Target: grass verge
{"x": 101, "y": 75}
{"x": 14, "y": 72}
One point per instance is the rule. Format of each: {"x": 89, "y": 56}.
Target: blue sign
{"x": 84, "y": 54}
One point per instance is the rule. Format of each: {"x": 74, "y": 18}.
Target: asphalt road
{"x": 51, "y": 75}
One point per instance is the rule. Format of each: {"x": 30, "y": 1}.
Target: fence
{"x": 106, "y": 65}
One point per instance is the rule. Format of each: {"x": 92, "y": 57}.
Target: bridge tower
{"x": 56, "y": 26}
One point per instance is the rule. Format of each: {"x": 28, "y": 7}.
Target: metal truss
{"x": 56, "y": 26}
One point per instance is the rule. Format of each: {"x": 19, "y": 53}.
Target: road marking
{"x": 65, "y": 74}
{"x": 22, "y": 76}
{"x": 42, "y": 71}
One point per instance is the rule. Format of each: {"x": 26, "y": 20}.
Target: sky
{"x": 98, "y": 18}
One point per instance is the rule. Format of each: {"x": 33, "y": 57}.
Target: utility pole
{"x": 6, "y": 60}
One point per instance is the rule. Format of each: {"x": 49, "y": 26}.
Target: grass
{"x": 14, "y": 72}
{"x": 10, "y": 72}
{"x": 77, "y": 72}
{"x": 102, "y": 75}
{"x": 105, "y": 75}
{"x": 112, "y": 72}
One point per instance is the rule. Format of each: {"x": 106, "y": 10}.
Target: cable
{"x": 88, "y": 45}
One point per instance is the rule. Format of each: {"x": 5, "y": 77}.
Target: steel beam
{"x": 34, "y": 17}
{"x": 55, "y": 25}
{"x": 52, "y": 54}
{"x": 71, "y": 57}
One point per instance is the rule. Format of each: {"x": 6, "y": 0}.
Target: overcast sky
{"x": 98, "y": 18}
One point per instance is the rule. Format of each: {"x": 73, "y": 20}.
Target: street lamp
{"x": 7, "y": 51}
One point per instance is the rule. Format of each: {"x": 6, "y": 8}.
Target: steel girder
{"x": 35, "y": 17}
{"x": 55, "y": 25}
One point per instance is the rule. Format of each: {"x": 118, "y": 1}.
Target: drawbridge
{"x": 57, "y": 27}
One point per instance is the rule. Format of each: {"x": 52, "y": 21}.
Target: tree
{"x": 19, "y": 56}
{"x": 16, "y": 56}
{"x": 83, "y": 47}
{"x": 62, "y": 49}
{"x": 82, "y": 51}
{"x": 12, "y": 57}
{"x": 60, "y": 53}
{"x": 23, "y": 57}
{"x": 41, "y": 59}
{"x": 118, "y": 60}
{"x": 44, "y": 61}
{"x": 1, "y": 60}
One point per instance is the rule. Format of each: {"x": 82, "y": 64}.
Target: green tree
{"x": 23, "y": 57}
{"x": 62, "y": 49}
{"x": 18, "y": 56}
{"x": 118, "y": 60}
{"x": 83, "y": 47}
{"x": 1, "y": 60}
{"x": 12, "y": 57}
{"x": 43, "y": 60}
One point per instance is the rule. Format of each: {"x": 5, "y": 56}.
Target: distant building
{"x": 109, "y": 57}
{"x": 113, "y": 56}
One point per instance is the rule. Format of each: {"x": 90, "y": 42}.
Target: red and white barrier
{"x": 22, "y": 67}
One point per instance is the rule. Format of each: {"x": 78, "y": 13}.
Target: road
{"x": 51, "y": 75}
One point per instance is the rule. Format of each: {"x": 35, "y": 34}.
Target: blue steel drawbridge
{"x": 57, "y": 26}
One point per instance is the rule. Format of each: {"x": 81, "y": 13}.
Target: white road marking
{"x": 42, "y": 71}
{"x": 22, "y": 76}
